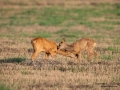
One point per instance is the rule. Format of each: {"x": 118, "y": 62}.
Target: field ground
{"x": 23, "y": 20}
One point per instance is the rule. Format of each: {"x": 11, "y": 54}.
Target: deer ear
{"x": 63, "y": 40}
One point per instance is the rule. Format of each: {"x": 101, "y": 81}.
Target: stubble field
{"x": 23, "y": 20}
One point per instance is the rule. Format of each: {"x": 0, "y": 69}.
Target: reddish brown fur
{"x": 65, "y": 53}
{"x": 79, "y": 46}
{"x": 43, "y": 45}
{"x": 47, "y": 46}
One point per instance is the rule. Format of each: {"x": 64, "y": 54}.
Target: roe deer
{"x": 78, "y": 47}
{"x": 43, "y": 45}
{"x": 47, "y": 46}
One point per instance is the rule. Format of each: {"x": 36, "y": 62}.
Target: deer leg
{"x": 47, "y": 55}
{"x": 33, "y": 57}
{"x": 36, "y": 51}
{"x": 72, "y": 55}
{"x": 96, "y": 56}
{"x": 79, "y": 57}
{"x": 75, "y": 59}
{"x": 88, "y": 56}
{"x": 53, "y": 54}
{"x": 90, "y": 52}
{"x": 35, "y": 54}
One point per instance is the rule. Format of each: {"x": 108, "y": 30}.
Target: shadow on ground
{"x": 42, "y": 62}
{"x": 12, "y": 60}
{"x": 49, "y": 62}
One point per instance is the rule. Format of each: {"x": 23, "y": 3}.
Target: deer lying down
{"x": 47, "y": 46}
{"x": 78, "y": 47}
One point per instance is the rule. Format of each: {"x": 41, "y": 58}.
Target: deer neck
{"x": 69, "y": 47}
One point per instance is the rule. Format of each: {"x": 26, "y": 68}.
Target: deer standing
{"x": 47, "y": 46}
{"x": 78, "y": 47}
{"x": 43, "y": 45}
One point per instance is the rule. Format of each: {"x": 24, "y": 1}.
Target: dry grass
{"x": 60, "y": 75}
{"x": 18, "y": 73}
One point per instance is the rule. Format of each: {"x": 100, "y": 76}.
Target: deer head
{"x": 62, "y": 44}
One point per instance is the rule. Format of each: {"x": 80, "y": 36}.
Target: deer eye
{"x": 59, "y": 44}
